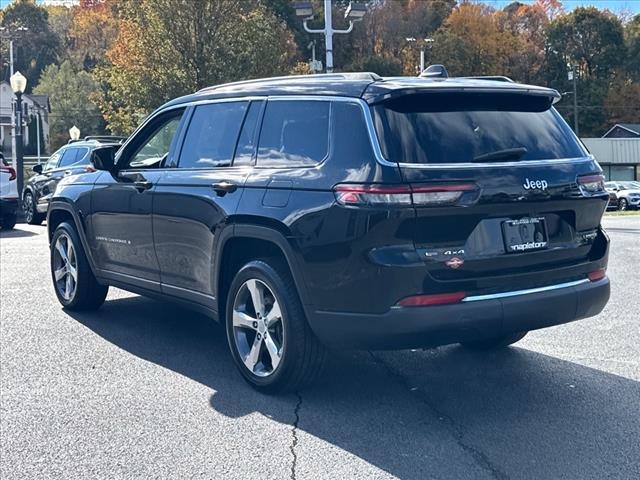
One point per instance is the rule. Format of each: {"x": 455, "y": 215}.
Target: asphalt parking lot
{"x": 144, "y": 389}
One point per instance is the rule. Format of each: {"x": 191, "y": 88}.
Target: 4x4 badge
{"x": 454, "y": 262}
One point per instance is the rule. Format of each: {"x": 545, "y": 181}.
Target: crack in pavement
{"x": 456, "y": 431}
{"x": 294, "y": 437}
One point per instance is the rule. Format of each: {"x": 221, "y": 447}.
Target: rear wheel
{"x": 31, "y": 215}
{"x": 623, "y": 204}
{"x": 7, "y": 222}
{"x": 269, "y": 337}
{"x": 74, "y": 283}
{"x": 495, "y": 342}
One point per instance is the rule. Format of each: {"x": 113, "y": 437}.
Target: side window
{"x": 294, "y": 133}
{"x": 153, "y": 148}
{"x": 247, "y": 139}
{"x": 82, "y": 157}
{"x": 68, "y": 157}
{"x": 212, "y": 135}
{"x": 52, "y": 162}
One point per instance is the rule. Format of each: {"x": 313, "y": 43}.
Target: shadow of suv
{"x": 70, "y": 159}
{"x": 346, "y": 210}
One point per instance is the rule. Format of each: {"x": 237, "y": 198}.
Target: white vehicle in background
{"x": 8, "y": 195}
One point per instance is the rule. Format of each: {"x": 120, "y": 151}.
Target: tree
{"x": 92, "y": 31}
{"x": 70, "y": 93}
{"x": 473, "y": 41}
{"x": 33, "y": 49}
{"x": 632, "y": 41}
{"x": 157, "y": 56}
{"x": 591, "y": 41}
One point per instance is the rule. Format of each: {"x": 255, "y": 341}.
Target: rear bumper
{"x": 8, "y": 206}
{"x": 484, "y": 317}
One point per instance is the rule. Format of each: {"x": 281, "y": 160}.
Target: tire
{"x": 495, "y": 342}
{"x": 623, "y": 204}
{"x": 8, "y": 222}
{"x": 300, "y": 356}
{"x": 83, "y": 292}
{"x": 31, "y": 215}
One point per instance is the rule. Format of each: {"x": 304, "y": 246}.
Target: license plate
{"x": 525, "y": 234}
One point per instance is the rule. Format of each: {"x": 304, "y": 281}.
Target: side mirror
{"x": 37, "y": 169}
{"x": 104, "y": 158}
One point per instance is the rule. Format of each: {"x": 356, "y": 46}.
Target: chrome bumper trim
{"x": 515, "y": 293}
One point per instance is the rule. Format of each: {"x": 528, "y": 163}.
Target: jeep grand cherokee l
{"x": 345, "y": 210}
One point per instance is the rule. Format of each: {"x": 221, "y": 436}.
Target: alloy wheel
{"x": 258, "y": 330}
{"x": 28, "y": 207}
{"x": 623, "y": 204}
{"x": 65, "y": 267}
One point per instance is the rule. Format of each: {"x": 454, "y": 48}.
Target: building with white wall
{"x": 37, "y": 110}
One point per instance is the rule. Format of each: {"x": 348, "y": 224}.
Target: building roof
{"x": 365, "y": 85}
{"x": 42, "y": 100}
{"x": 631, "y": 127}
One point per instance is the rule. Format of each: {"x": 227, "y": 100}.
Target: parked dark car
{"x": 347, "y": 210}
{"x": 627, "y": 194}
{"x": 70, "y": 159}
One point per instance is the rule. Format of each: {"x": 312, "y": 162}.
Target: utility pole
{"x": 572, "y": 76}
{"x": 354, "y": 13}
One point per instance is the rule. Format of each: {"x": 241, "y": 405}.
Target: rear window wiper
{"x": 506, "y": 154}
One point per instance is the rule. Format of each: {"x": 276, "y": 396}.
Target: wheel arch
{"x": 240, "y": 243}
{"x": 60, "y": 211}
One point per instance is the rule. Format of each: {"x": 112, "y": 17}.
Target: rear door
{"x": 195, "y": 198}
{"x": 504, "y": 193}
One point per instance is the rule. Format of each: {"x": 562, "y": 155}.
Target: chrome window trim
{"x": 515, "y": 293}
{"x": 373, "y": 137}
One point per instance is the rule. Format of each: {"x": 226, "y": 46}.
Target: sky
{"x": 615, "y": 6}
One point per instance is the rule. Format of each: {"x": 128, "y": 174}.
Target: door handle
{"x": 142, "y": 185}
{"x": 224, "y": 187}
{"x": 68, "y": 172}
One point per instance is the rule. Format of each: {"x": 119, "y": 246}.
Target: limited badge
{"x": 454, "y": 262}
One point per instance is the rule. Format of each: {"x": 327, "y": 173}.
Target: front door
{"x": 121, "y": 235}
{"x": 194, "y": 200}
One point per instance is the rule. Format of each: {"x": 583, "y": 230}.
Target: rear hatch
{"x": 505, "y": 196}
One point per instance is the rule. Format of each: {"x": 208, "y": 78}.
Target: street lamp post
{"x": 74, "y": 134}
{"x": 423, "y": 44}
{"x": 19, "y": 85}
{"x": 354, "y": 13}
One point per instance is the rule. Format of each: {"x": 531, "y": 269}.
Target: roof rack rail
{"x": 105, "y": 138}
{"x": 496, "y": 78}
{"x": 374, "y": 77}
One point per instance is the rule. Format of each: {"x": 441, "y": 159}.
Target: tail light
{"x": 597, "y": 275}
{"x": 590, "y": 184}
{"x": 437, "y": 299}
{"x": 422, "y": 195}
{"x": 11, "y": 171}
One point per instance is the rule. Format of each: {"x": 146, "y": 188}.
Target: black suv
{"x": 70, "y": 159}
{"x": 343, "y": 210}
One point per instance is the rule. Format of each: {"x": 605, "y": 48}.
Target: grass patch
{"x": 622, "y": 214}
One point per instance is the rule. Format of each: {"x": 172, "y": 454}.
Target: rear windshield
{"x": 472, "y": 127}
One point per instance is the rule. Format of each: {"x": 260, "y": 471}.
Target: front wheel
{"x": 495, "y": 342}
{"x": 270, "y": 340}
{"x": 73, "y": 281}
{"x": 623, "y": 204}
{"x": 31, "y": 215}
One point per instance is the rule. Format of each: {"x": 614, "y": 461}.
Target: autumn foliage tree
{"x": 157, "y": 57}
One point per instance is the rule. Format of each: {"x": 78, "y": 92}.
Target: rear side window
{"x": 294, "y": 133}
{"x": 68, "y": 157}
{"x": 463, "y": 128}
{"x": 212, "y": 135}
